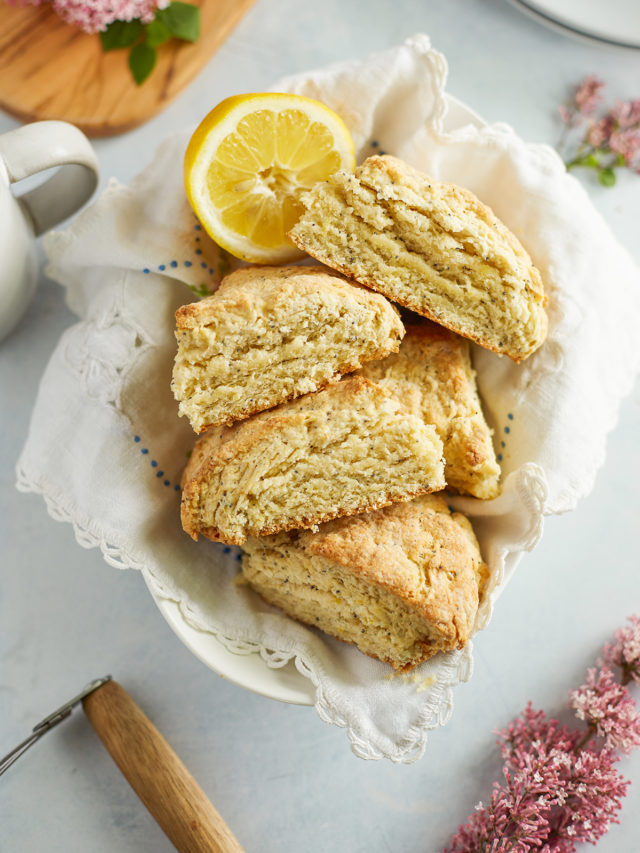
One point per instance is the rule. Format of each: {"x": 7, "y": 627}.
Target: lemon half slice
{"x": 250, "y": 160}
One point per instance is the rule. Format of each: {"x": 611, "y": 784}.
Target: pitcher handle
{"x": 42, "y": 145}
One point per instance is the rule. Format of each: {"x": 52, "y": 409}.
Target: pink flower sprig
{"x": 561, "y": 786}
{"x": 586, "y": 98}
{"x": 625, "y": 652}
{"x": 608, "y": 709}
{"x": 605, "y": 142}
{"x": 142, "y": 25}
{"x": 94, "y": 16}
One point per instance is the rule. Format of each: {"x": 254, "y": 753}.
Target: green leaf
{"x": 607, "y": 177}
{"x": 200, "y": 290}
{"x": 141, "y": 61}
{"x": 157, "y": 32}
{"x": 591, "y": 161}
{"x": 120, "y": 34}
{"x": 182, "y": 20}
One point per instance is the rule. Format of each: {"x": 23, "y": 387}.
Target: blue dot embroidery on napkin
{"x": 375, "y": 144}
{"x": 154, "y": 464}
{"x": 507, "y": 431}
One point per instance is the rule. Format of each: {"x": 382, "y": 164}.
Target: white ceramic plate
{"x": 616, "y": 22}
{"x": 285, "y": 683}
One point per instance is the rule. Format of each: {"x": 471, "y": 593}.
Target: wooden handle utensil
{"x": 156, "y": 774}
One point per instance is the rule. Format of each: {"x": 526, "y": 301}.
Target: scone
{"x": 402, "y": 583}
{"x": 430, "y": 246}
{"x": 348, "y": 449}
{"x": 268, "y": 335}
{"x": 432, "y": 376}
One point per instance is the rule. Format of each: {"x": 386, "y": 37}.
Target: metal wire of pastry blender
{"x": 48, "y": 723}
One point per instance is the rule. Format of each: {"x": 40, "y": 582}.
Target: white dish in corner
{"x": 616, "y": 23}
{"x": 284, "y": 683}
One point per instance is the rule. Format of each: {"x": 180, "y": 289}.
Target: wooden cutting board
{"x": 51, "y": 70}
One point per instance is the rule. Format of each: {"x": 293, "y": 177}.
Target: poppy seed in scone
{"x": 269, "y": 335}
{"x": 430, "y": 246}
{"x": 347, "y": 449}
{"x": 402, "y": 583}
{"x": 431, "y": 375}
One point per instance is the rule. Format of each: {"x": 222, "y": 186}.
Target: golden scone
{"x": 347, "y": 449}
{"x": 430, "y": 246}
{"x": 432, "y": 376}
{"x": 402, "y": 583}
{"x": 268, "y": 335}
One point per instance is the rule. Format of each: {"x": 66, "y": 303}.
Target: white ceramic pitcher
{"x": 24, "y": 152}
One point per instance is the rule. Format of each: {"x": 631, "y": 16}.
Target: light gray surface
{"x": 284, "y": 780}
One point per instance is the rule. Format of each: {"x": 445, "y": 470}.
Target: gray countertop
{"x": 284, "y": 780}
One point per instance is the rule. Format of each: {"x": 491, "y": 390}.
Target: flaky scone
{"x": 348, "y": 449}
{"x": 431, "y": 375}
{"x": 268, "y": 335}
{"x": 432, "y": 247}
{"x": 402, "y": 583}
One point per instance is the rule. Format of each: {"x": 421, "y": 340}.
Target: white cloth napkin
{"x": 106, "y": 447}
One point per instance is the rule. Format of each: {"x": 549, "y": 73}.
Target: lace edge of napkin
{"x": 456, "y": 667}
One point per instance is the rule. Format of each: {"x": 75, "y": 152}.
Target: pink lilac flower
{"x": 608, "y": 709}
{"x": 554, "y": 801}
{"x": 593, "y": 792}
{"x": 555, "y": 794}
{"x": 578, "y": 791}
{"x": 95, "y": 15}
{"x": 533, "y": 729}
{"x": 625, "y": 652}
{"x": 513, "y": 821}
{"x": 627, "y": 113}
{"x": 586, "y": 98}
{"x": 627, "y": 144}
{"x": 608, "y": 140}
{"x": 600, "y": 131}
{"x": 560, "y": 788}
